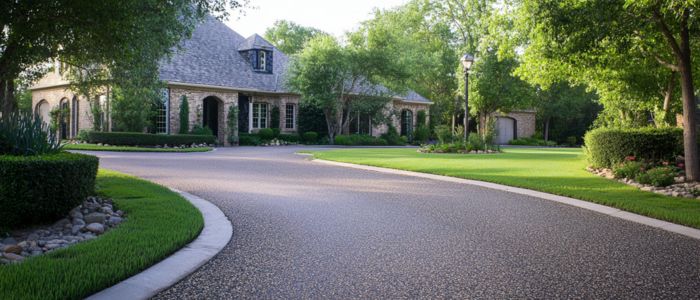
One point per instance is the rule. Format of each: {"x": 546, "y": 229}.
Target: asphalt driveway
{"x": 308, "y": 230}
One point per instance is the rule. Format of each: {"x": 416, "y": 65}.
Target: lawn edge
{"x": 599, "y": 208}
{"x": 215, "y": 235}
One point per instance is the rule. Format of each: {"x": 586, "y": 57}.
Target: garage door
{"x": 505, "y": 130}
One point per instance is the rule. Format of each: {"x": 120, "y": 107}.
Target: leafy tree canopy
{"x": 290, "y": 37}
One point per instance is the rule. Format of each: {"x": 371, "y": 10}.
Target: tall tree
{"x": 116, "y": 34}
{"x": 290, "y": 37}
{"x": 339, "y": 79}
{"x": 581, "y": 39}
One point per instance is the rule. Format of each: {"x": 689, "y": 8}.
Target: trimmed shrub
{"x": 290, "y": 138}
{"x": 24, "y": 134}
{"x": 184, "y": 115}
{"x": 531, "y": 141}
{"x": 247, "y": 139}
{"x": 275, "y": 118}
{"x": 310, "y": 137}
{"x": 43, "y": 188}
{"x": 359, "y": 140}
{"x": 628, "y": 169}
{"x": 392, "y": 136}
{"x": 232, "y": 123}
{"x": 147, "y": 139}
{"x": 660, "y": 176}
{"x": 266, "y": 134}
{"x": 606, "y": 147}
{"x": 276, "y": 132}
{"x": 199, "y": 130}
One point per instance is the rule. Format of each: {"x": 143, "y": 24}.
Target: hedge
{"x": 43, "y": 188}
{"x": 359, "y": 140}
{"x": 606, "y": 147}
{"x": 146, "y": 139}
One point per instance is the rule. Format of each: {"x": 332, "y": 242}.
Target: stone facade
{"x": 195, "y": 100}
{"x": 79, "y": 114}
{"x": 524, "y": 121}
{"x": 280, "y": 101}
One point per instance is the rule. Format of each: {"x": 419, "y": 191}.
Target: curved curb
{"x": 214, "y": 237}
{"x": 607, "y": 210}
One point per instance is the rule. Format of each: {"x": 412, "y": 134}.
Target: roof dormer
{"x": 258, "y": 52}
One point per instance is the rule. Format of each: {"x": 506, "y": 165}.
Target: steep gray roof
{"x": 255, "y": 42}
{"x": 212, "y": 56}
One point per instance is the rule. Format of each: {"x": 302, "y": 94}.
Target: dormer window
{"x": 262, "y": 60}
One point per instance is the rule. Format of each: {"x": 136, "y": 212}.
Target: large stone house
{"x": 215, "y": 69}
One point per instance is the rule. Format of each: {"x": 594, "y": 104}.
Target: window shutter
{"x": 254, "y": 58}
{"x": 268, "y": 62}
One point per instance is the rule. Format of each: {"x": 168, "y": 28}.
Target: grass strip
{"x": 158, "y": 223}
{"x": 553, "y": 170}
{"x": 95, "y": 147}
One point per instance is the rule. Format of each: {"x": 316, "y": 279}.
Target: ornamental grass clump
{"x": 22, "y": 134}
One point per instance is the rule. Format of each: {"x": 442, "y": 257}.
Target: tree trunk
{"x": 546, "y": 129}
{"x": 329, "y": 126}
{"x": 690, "y": 145}
{"x": 7, "y": 96}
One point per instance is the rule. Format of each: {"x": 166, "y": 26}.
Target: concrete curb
{"x": 214, "y": 237}
{"x": 613, "y": 212}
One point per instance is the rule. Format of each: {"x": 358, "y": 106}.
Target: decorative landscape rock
{"x": 85, "y": 222}
{"x": 679, "y": 189}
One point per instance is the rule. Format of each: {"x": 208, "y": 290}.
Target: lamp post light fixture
{"x": 467, "y": 60}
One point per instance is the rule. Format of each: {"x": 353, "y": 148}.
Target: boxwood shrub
{"x": 607, "y": 147}
{"x": 359, "y": 140}
{"x": 146, "y": 139}
{"x": 43, "y": 188}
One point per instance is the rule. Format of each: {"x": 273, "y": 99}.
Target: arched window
{"x": 42, "y": 110}
{"x": 75, "y": 117}
{"x": 406, "y": 123}
{"x": 63, "y": 119}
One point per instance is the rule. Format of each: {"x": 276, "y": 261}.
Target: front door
{"x": 211, "y": 115}
{"x": 243, "y": 108}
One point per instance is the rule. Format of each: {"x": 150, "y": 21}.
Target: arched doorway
{"x": 42, "y": 110}
{"x": 74, "y": 117}
{"x": 505, "y": 130}
{"x": 212, "y": 114}
{"x": 406, "y": 122}
{"x": 63, "y": 119}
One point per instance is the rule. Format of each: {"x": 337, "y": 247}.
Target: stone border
{"x": 610, "y": 211}
{"x": 214, "y": 237}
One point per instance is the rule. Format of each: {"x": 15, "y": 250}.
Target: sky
{"x": 332, "y": 16}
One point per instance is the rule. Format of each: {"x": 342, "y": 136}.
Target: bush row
{"x": 42, "y": 188}
{"x": 607, "y": 147}
{"x": 359, "y": 140}
{"x": 145, "y": 139}
{"x": 531, "y": 141}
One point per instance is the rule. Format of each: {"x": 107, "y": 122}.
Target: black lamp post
{"x": 467, "y": 60}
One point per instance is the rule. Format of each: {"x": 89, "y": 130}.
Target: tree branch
{"x": 670, "y": 39}
{"x": 664, "y": 63}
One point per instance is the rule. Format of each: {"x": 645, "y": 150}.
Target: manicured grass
{"x": 158, "y": 223}
{"x": 552, "y": 170}
{"x": 94, "y": 147}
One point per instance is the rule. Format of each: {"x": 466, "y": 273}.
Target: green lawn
{"x": 94, "y": 147}
{"x": 553, "y": 170}
{"x": 158, "y": 223}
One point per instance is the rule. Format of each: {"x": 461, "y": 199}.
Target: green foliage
{"x": 21, "y": 133}
{"x": 311, "y": 118}
{"x": 159, "y": 222}
{"x": 184, "y": 115}
{"x": 475, "y": 142}
{"x": 359, "y": 140}
{"x": 290, "y": 37}
{"x": 56, "y": 115}
{"x": 232, "y": 123}
{"x": 247, "y": 139}
{"x": 147, "y": 139}
{"x": 493, "y": 87}
{"x": 325, "y": 73}
{"x": 199, "y": 130}
{"x": 628, "y": 169}
{"x": 42, "y": 188}
{"x": 531, "y": 141}
{"x": 606, "y": 147}
{"x": 133, "y": 108}
{"x": 659, "y": 176}
{"x": 275, "y": 132}
{"x": 82, "y": 135}
{"x": 422, "y": 134}
{"x": 444, "y": 134}
{"x": 275, "y": 117}
{"x": 392, "y": 136}
{"x": 289, "y": 138}
{"x": 310, "y": 137}
{"x": 266, "y": 134}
